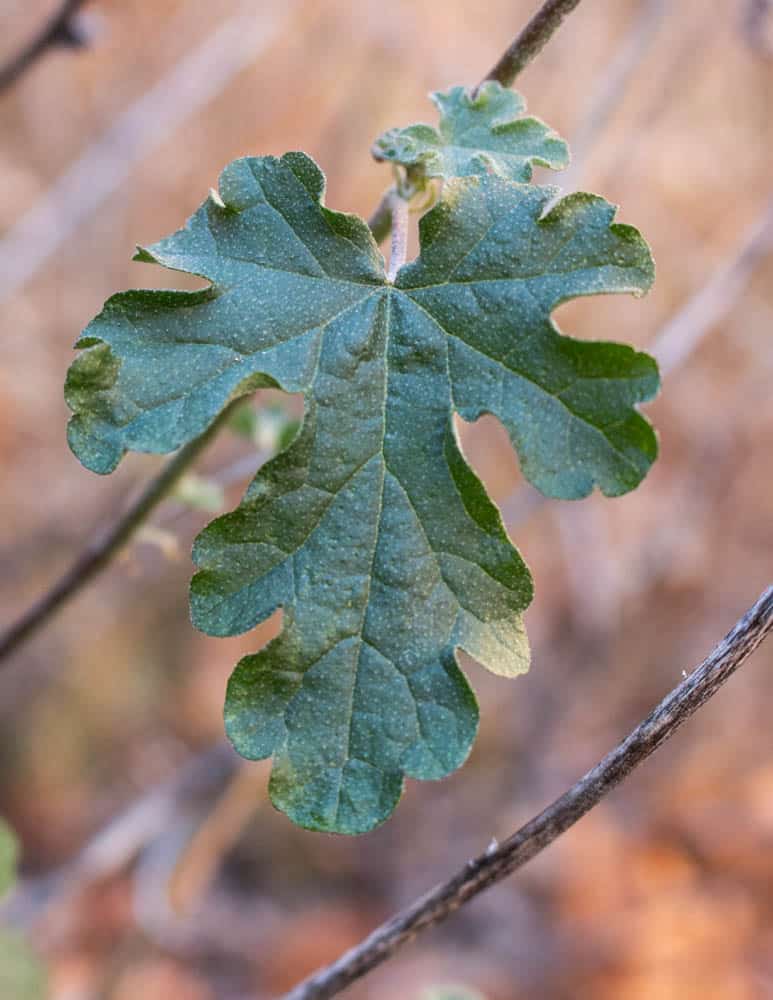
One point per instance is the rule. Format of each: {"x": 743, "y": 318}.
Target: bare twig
{"x": 98, "y": 173}
{"x": 497, "y": 863}
{"x": 530, "y": 41}
{"x": 57, "y": 31}
{"x": 100, "y": 552}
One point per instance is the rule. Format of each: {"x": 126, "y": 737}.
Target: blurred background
{"x": 152, "y": 865}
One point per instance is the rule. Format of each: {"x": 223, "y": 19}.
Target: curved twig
{"x": 58, "y": 30}
{"x": 502, "y": 860}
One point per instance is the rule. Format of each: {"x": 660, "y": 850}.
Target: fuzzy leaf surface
{"x": 476, "y": 135}
{"x": 370, "y": 530}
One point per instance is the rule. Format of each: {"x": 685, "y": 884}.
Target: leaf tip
{"x": 142, "y": 255}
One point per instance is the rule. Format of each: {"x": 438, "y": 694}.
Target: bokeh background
{"x": 152, "y": 865}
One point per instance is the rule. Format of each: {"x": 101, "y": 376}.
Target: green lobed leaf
{"x": 479, "y": 134}
{"x": 371, "y": 531}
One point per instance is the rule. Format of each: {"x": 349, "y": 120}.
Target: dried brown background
{"x": 665, "y": 892}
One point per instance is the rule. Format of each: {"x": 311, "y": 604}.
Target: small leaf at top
{"x": 479, "y": 134}
{"x": 370, "y": 530}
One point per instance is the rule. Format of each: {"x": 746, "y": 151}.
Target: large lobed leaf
{"x": 477, "y": 134}
{"x": 370, "y": 530}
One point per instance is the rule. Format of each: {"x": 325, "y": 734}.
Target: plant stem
{"x": 381, "y": 221}
{"x": 58, "y": 30}
{"x": 99, "y": 552}
{"x": 398, "y": 210}
{"x": 530, "y": 41}
{"x": 503, "y": 859}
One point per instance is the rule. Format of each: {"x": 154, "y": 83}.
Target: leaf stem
{"x": 101, "y": 551}
{"x": 380, "y": 222}
{"x": 502, "y": 860}
{"x": 398, "y": 212}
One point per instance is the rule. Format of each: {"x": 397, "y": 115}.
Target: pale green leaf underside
{"x": 476, "y": 135}
{"x": 370, "y": 530}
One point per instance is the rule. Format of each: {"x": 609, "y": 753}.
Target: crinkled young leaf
{"x": 370, "y": 530}
{"x": 476, "y": 135}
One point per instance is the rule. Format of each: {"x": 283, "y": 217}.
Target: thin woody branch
{"x": 58, "y": 30}
{"x": 500, "y": 861}
{"x": 99, "y": 553}
{"x": 530, "y": 41}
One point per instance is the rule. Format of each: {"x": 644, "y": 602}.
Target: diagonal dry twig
{"x": 501, "y": 860}
{"x": 530, "y": 42}
{"x": 59, "y": 30}
{"x": 100, "y": 551}
{"x": 105, "y": 164}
